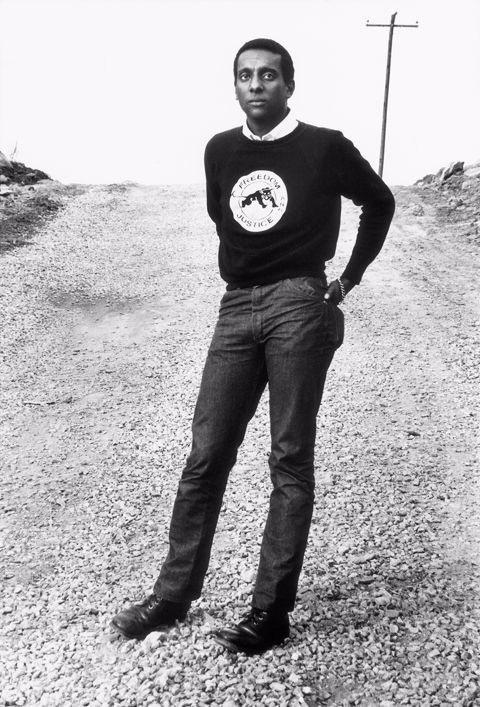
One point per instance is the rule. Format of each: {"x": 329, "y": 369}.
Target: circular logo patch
{"x": 258, "y": 200}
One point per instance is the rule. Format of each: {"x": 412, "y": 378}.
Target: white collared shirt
{"x": 285, "y": 127}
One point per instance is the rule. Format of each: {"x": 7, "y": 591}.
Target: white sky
{"x": 111, "y": 90}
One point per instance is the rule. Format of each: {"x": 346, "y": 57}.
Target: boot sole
{"x": 234, "y": 648}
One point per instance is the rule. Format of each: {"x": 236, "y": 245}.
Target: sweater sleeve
{"x": 360, "y": 183}
{"x": 212, "y": 186}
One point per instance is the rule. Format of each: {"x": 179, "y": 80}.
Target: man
{"x": 274, "y": 189}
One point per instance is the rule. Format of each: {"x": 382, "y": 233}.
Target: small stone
{"x": 366, "y": 579}
{"x": 247, "y": 576}
{"x": 366, "y": 557}
{"x": 392, "y": 613}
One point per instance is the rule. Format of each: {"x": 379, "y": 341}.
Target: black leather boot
{"x": 257, "y": 632}
{"x": 152, "y": 614}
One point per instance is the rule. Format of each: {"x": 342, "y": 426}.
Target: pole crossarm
{"x": 369, "y": 24}
{"x": 391, "y": 26}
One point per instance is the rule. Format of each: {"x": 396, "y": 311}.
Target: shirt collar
{"x": 285, "y": 127}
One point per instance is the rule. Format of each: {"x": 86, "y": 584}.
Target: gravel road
{"x": 105, "y": 320}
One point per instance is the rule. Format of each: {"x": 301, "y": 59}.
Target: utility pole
{"x": 392, "y": 26}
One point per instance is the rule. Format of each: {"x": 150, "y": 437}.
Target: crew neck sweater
{"x": 276, "y": 204}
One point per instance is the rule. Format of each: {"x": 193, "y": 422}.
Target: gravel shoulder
{"x": 106, "y": 317}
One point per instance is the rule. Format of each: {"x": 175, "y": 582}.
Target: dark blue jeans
{"x": 284, "y": 334}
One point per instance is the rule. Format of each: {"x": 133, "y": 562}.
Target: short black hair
{"x": 270, "y": 45}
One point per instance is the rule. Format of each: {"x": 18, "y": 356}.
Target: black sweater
{"x": 276, "y": 205}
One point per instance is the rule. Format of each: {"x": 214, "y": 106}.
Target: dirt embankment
{"x": 28, "y": 198}
{"x": 454, "y": 194}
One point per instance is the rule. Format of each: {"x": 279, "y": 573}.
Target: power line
{"x": 392, "y": 26}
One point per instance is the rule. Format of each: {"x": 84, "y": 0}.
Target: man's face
{"x": 260, "y": 87}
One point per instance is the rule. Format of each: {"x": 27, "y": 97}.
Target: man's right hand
{"x": 334, "y": 292}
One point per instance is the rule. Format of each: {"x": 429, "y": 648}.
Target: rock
{"x": 417, "y": 210}
{"x": 366, "y": 579}
{"x": 4, "y": 179}
{"x": 152, "y": 641}
{"x": 247, "y": 575}
{"x": 453, "y": 168}
{"x": 365, "y": 557}
{"x": 392, "y": 613}
{"x": 4, "y": 161}
{"x": 19, "y": 173}
{"x": 427, "y": 179}
{"x": 383, "y": 599}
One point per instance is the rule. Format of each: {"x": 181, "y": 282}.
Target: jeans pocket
{"x": 306, "y": 285}
{"x": 337, "y": 324}
{"x": 230, "y": 295}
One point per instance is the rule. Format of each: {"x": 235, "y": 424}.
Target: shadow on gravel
{"x": 414, "y": 619}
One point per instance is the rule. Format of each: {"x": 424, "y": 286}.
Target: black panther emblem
{"x": 260, "y": 196}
